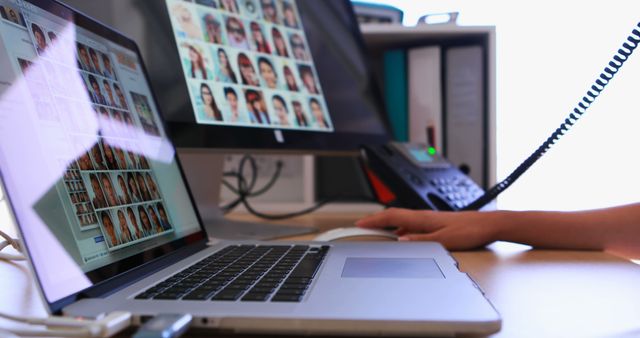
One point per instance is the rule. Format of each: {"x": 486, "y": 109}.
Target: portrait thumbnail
{"x": 145, "y": 114}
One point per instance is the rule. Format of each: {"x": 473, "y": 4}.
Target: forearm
{"x": 616, "y": 229}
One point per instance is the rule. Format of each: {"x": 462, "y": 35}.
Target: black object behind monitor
{"x": 353, "y": 103}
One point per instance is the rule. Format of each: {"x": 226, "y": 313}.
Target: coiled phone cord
{"x": 605, "y": 77}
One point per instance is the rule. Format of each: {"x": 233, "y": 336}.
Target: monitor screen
{"x": 90, "y": 174}
{"x": 257, "y": 74}
{"x": 249, "y": 65}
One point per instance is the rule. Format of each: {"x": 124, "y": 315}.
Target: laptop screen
{"x": 90, "y": 173}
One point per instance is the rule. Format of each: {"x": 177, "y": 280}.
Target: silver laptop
{"x": 108, "y": 221}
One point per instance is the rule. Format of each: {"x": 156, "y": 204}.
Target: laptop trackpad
{"x": 391, "y": 268}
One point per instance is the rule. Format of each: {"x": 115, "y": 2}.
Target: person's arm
{"x": 613, "y": 229}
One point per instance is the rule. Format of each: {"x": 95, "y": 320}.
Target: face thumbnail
{"x": 269, "y": 10}
{"x": 236, "y": 34}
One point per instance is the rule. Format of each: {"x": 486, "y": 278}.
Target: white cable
{"x": 71, "y": 327}
{"x": 10, "y": 242}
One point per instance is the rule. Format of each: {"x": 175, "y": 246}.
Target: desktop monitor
{"x": 253, "y": 75}
{"x": 275, "y": 75}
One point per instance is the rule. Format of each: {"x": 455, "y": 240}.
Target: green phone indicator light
{"x": 431, "y": 151}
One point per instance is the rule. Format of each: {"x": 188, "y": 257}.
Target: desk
{"x": 539, "y": 293}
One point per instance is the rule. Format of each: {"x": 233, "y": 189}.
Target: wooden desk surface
{"x": 538, "y": 293}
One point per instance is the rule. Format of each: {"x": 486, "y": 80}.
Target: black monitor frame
{"x": 168, "y": 80}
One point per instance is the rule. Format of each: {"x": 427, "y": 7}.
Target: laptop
{"x": 108, "y": 222}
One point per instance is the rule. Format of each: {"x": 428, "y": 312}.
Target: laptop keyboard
{"x": 249, "y": 273}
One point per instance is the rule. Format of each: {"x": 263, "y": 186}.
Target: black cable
{"x": 272, "y": 217}
{"x": 592, "y": 94}
{"x": 245, "y": 190}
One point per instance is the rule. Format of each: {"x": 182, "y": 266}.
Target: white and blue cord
{"x": 69, "y": 327}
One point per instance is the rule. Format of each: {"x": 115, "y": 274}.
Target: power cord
{"x": 246, "y": 189}
{"x": 8, "y": 241}
{"x": 56, "y": 326}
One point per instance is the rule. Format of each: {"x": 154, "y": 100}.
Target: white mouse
{"x": 355, "y": 234}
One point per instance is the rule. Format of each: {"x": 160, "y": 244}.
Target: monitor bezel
{"x": 192, "y": 135}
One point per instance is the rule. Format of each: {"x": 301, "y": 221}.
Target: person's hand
{"x": 454, "y": 230}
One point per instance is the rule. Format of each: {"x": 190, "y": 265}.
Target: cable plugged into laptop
{"x": 56, "y": 326}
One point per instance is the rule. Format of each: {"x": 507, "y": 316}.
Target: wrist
{"x": 500, "y": 223}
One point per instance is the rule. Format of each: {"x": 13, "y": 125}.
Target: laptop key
{"x": 230, "y": 295}
{"x": 286, "y": 298}
{"x": 291, "y": 292}
{"x": 256, "y": 297}
{"x": 200, "y": 295}
{"x": 168, "y": 296}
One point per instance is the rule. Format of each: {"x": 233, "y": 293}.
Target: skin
{"x": 97, "y": 190}
{"x": 95, "y": 61}
{"x": 96, "y": 87}
{"x": 85, "y": 162}
{"x": 269, "y": 11}
{"x": 297, "y": 45}
{"x": 614, "y": 229}
{"x": 249, "y": 73}
{"x": 134, "y": 222}
{"x": 134, "y": 188}
{"x": 107, "y": 65}
{"x": 290, "y": 17}
{"x": 110, "y": 157}
{"x": 13, "y": 16}
{"x": 316, "y": 110}
{"x": 291, "y": 80}
{"x": 120, "y": 95}
{"x": 309, "y": 82}
{"x": 124, "y": 229}
{"x": 258, "y": 38}
{"x": 268, "y": 74}
{"x": 110, "y": 192}
{"x": 224, "y": 62}
{"x": 281, "y": 112}
{"x": 232, "y": 99}
{"x": 254, "y": 106}
{"x": 109, "y": 228}
{"x": 229, "y": 5}
{"x": 185, "y": 20}
{"x": 153, "y": 188}
{"x": 125, "y": 191}
{"x": 121, "y": 157}
{"x": 143, "y": 187}
{"x": 197, "y": 62}
{"x": 40, "y": 40}
{"x": 156, "y": 221}
{"x": 281, "y": 46}
{"x": 144, "y": 219}
{"x": 84, "y": 56}
{"x": 97, "y": 156}
{"x": 207, "y": 99}
{"x": 132, "y": 158}
{"x": 214, "y": 33}
{"x": 107, "y": 88}
{"x": 163, "y": 215}
{"x": 236, "y": 32}
{"x": 297, "y": 109}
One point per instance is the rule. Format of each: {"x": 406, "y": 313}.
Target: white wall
{"x": 549, "y": 53}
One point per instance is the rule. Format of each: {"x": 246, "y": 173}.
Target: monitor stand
{"x": 204, "y": 174}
